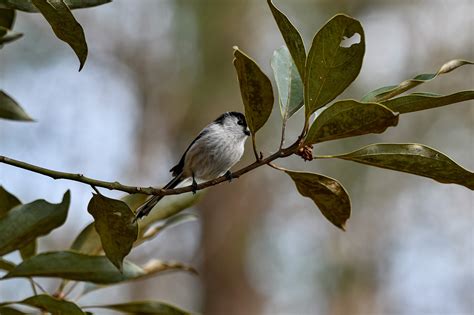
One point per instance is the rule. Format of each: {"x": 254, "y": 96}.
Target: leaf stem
{"x": 149, "y": 190}
{"x": 33, "y": 287}
{"x": 254, "y": 147}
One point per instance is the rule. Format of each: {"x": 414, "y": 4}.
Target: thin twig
{"x": 147, "y": 190}
{"x": 283, "y": 127}
{"x": 254, "y": 147}
{"x": 39, "y": 286}
{"x": 33, "y": 287}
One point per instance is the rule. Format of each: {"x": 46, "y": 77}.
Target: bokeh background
{"x": 160, "y": 70}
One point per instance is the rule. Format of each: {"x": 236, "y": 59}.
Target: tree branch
{"x": 145, "y": 190}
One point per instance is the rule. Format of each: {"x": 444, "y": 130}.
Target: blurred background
{"x": 160, "y": 70}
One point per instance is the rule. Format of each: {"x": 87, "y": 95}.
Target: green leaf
{"x": 7, "y": 201}
{"x": 387, "y": 92}
{"x": 64, "y": 26}
{"x": 291, "y": 37}
{"x": 29, "y": 250}
{"x": 412, "y": 158}
{"x": 80, "y": 267}
{"x": 10, "y": 311}
{"x": 6, "y": 265}
{"x": 288, "y": 80}
{"x": 145, "y": 307}
{"x": 28, "y": 6}
{"x": 331, "y": 67}
{"x": 422, "y": 101}
{"x": 349, "y": 118}
{"x": 7, "y": 17}
{"x": 88, "y": 241}
{"x": 25, "y": 223}
{"x": 50, "y": 304}
{"x": 327, "y": 193}
{"x": 9, "y": 109}
{"x": 113, "y": 221}
{"x": 256, "y": 90}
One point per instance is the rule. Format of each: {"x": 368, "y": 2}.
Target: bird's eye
{"x": 240, "y": 122}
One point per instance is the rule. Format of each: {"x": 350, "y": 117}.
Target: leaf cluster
{"x": 96, "y": 257}
{"x": 313, "y": 80}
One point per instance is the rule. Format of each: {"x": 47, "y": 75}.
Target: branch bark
{"x": 144, "y": 190}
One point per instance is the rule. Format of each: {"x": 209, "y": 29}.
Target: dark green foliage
{"x": 64, "y": 25}
{"x": 113, "y": 221}
{"x": 327, "y": 193}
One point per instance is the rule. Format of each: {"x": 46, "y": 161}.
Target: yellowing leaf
{"x": 422, "y": 101}
{"x": 387, "y": 92}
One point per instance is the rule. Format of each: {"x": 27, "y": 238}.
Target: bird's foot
{"x": 194, "y": 186}
{"x": 229, "y": 176}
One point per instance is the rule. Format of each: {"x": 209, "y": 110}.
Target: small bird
{"x": 217, "y": 148}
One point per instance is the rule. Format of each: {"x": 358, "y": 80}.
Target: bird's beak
{"x": 247, "y": 131}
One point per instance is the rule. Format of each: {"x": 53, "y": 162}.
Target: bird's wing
{"x": 178, "y": 168}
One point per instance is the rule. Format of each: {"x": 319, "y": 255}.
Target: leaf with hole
{"x": 331, "y": 66}
{"x": 387, "y": 92}
{"x": 289, "y": 84}
{"x": 113, "y": 221}
{"x": 328, "y": 195}
{"x": 349, "y": 118}
{"x": 24, "y": 223}
{"x": 64, "y": 26}
{"x": 80, "y": 267}
{"x": 423, "y": 101}
{"x": 145, "y": 307}
{"x": 50, "y": 304}
{"x": 9, "y": 109}
{"x": 412, "y": 158}
{"x": 292, "y": 38}
{"x": 28, "y": 6}
{"x": 256, "y": 91}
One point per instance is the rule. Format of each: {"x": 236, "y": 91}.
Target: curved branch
{"x": 144, "y": 190}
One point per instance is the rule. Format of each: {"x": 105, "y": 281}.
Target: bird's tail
{"x": 145, "y": 209}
